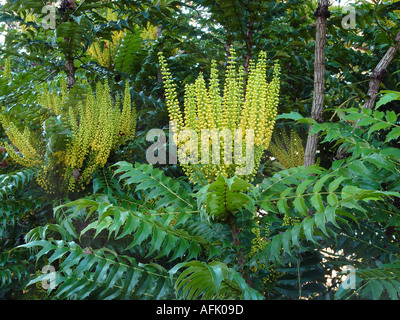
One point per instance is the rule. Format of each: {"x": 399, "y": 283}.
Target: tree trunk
{"x": 69, "y": 60}
{"x": 375, "y": 80}
{"x": 69, "y": 66}
{"x": 379, "y": 72}
{"x": 322, "y": 13}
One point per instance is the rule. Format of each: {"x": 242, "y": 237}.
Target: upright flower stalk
{"x": 76, "y": 138}
{"x": 222, "y": 130}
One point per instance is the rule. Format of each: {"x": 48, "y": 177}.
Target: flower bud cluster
{"x": 246, "y": 102}
{"x": 24, "y": 150}
{"x": 101, "y": 127}
{"x": 97, "y": 126}
{"x": 7, "y": 69}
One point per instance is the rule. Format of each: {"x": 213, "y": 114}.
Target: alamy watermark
{"x": 49, "y": 20}
{"x": 349, "y": 21}
{"x": 49, "y": 280}
{"x": 349, "y": 279}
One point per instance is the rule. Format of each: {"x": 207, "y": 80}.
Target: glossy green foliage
{"x": 354, "y": 203}
{"x": 212, "y": 280}
{"x": 103, "y": 250}
{"x": 143, "y": 232}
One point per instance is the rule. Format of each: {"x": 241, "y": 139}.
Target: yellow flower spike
{"x": 7, "y": 69}
{"x": 105, "y": 51}
{"x": 190, "y": 108}
{"x": 231, "y": 95}
{"x": 203, "y": 105}
{"x": 64, "y": 90}
{"x": 241, "y": 104}
{"x": 95, "y": 127}
{"x": 28, "y": 153}
{"x": 215, "y": 96}
{"x": 172, "y": 102}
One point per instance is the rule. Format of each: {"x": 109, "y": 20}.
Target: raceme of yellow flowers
{"x": 105, "y": 51}
{"x": 97, "y": 127}
{"x": 239, "y": 118}
{"x": 7, "y": 69}
{"x": 29, "y": 149}
{"x": 54, "y": 101}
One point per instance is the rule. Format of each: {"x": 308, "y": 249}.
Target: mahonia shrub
{"x": 227, "y": 129}
{"x": 75, "y": 137}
